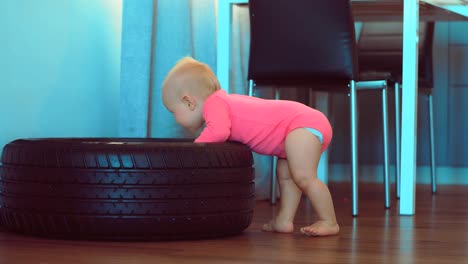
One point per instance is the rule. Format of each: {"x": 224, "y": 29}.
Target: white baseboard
{"x": 374, "y": 173}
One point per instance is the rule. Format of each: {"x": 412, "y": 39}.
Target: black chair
{"x": 311, "y": 44}
{"x": 380, "y": 55}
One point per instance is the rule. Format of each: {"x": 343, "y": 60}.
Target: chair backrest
{"x": 380, "y": 49}
{"x": 425, "y": 67}
{"x": 300, "y": 41}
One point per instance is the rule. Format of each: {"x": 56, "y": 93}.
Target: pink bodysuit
{"x": 259, "y": 123}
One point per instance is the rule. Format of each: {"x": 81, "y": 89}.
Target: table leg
{"x": 409, "y": 106}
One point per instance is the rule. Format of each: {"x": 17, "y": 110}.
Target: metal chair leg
{"x": 397, "y": 140}
{"x": 432, "y": 147}
{"x": 273, "y": 167}
{"x": 354, "y": 146}
{"x": 273, "y": 179}
{"x": 274, "y": 159}
{"x": 251, "y": 86}
{"x": 322, "y": 104}
{"x": 385, "y": 143}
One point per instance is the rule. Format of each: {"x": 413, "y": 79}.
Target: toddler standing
{"x": 294, "y": 132}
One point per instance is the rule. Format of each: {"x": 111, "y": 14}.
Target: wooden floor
{"x": 437, "y": 234}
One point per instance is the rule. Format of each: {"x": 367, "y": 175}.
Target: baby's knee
{"x": 304, "y": 181}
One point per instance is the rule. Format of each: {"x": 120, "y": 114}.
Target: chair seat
{"x": 424, "y": 86}
{"x": 375, "y": 75}
{"x": 328, "y": 84}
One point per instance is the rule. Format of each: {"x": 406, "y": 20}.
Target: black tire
{"x": 126, "y": 189}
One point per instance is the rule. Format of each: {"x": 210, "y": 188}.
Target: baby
{"x": 295, "y": 133}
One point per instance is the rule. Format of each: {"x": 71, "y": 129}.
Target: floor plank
{"x": 437, "y": 234}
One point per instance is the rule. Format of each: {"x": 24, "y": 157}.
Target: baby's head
{"x": 189, "y": 76}
{"x": 185, "y": 89}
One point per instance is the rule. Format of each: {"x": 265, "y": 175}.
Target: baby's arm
{"x": 217, "y": 122}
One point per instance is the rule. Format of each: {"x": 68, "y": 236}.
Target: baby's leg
{"x": 303, "y": 150}
{"x": 290, "y": 198}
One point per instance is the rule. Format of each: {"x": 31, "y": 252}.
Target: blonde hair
{"x": 201, "y": 79}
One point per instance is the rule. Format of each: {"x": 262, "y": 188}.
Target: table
{"x": 411, "y": 11}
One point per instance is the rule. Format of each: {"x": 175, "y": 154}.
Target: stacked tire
{"x": 126, "y": 189}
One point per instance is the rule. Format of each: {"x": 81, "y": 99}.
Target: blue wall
{"x": 59, "y": 68}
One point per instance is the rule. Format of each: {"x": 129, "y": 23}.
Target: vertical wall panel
{"x": 458, "y": 33}
{"x": 458, "y": 69}
{"x": 457, "y": 151}
{"x": 441, "y": 92}
{"x": 137, "y": 31}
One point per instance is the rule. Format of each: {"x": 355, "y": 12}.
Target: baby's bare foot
{"x": 277, "y": 226}
{"x": 321, "y": 228}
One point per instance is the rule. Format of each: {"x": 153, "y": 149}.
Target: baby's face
{"x": 185, "y": 113}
